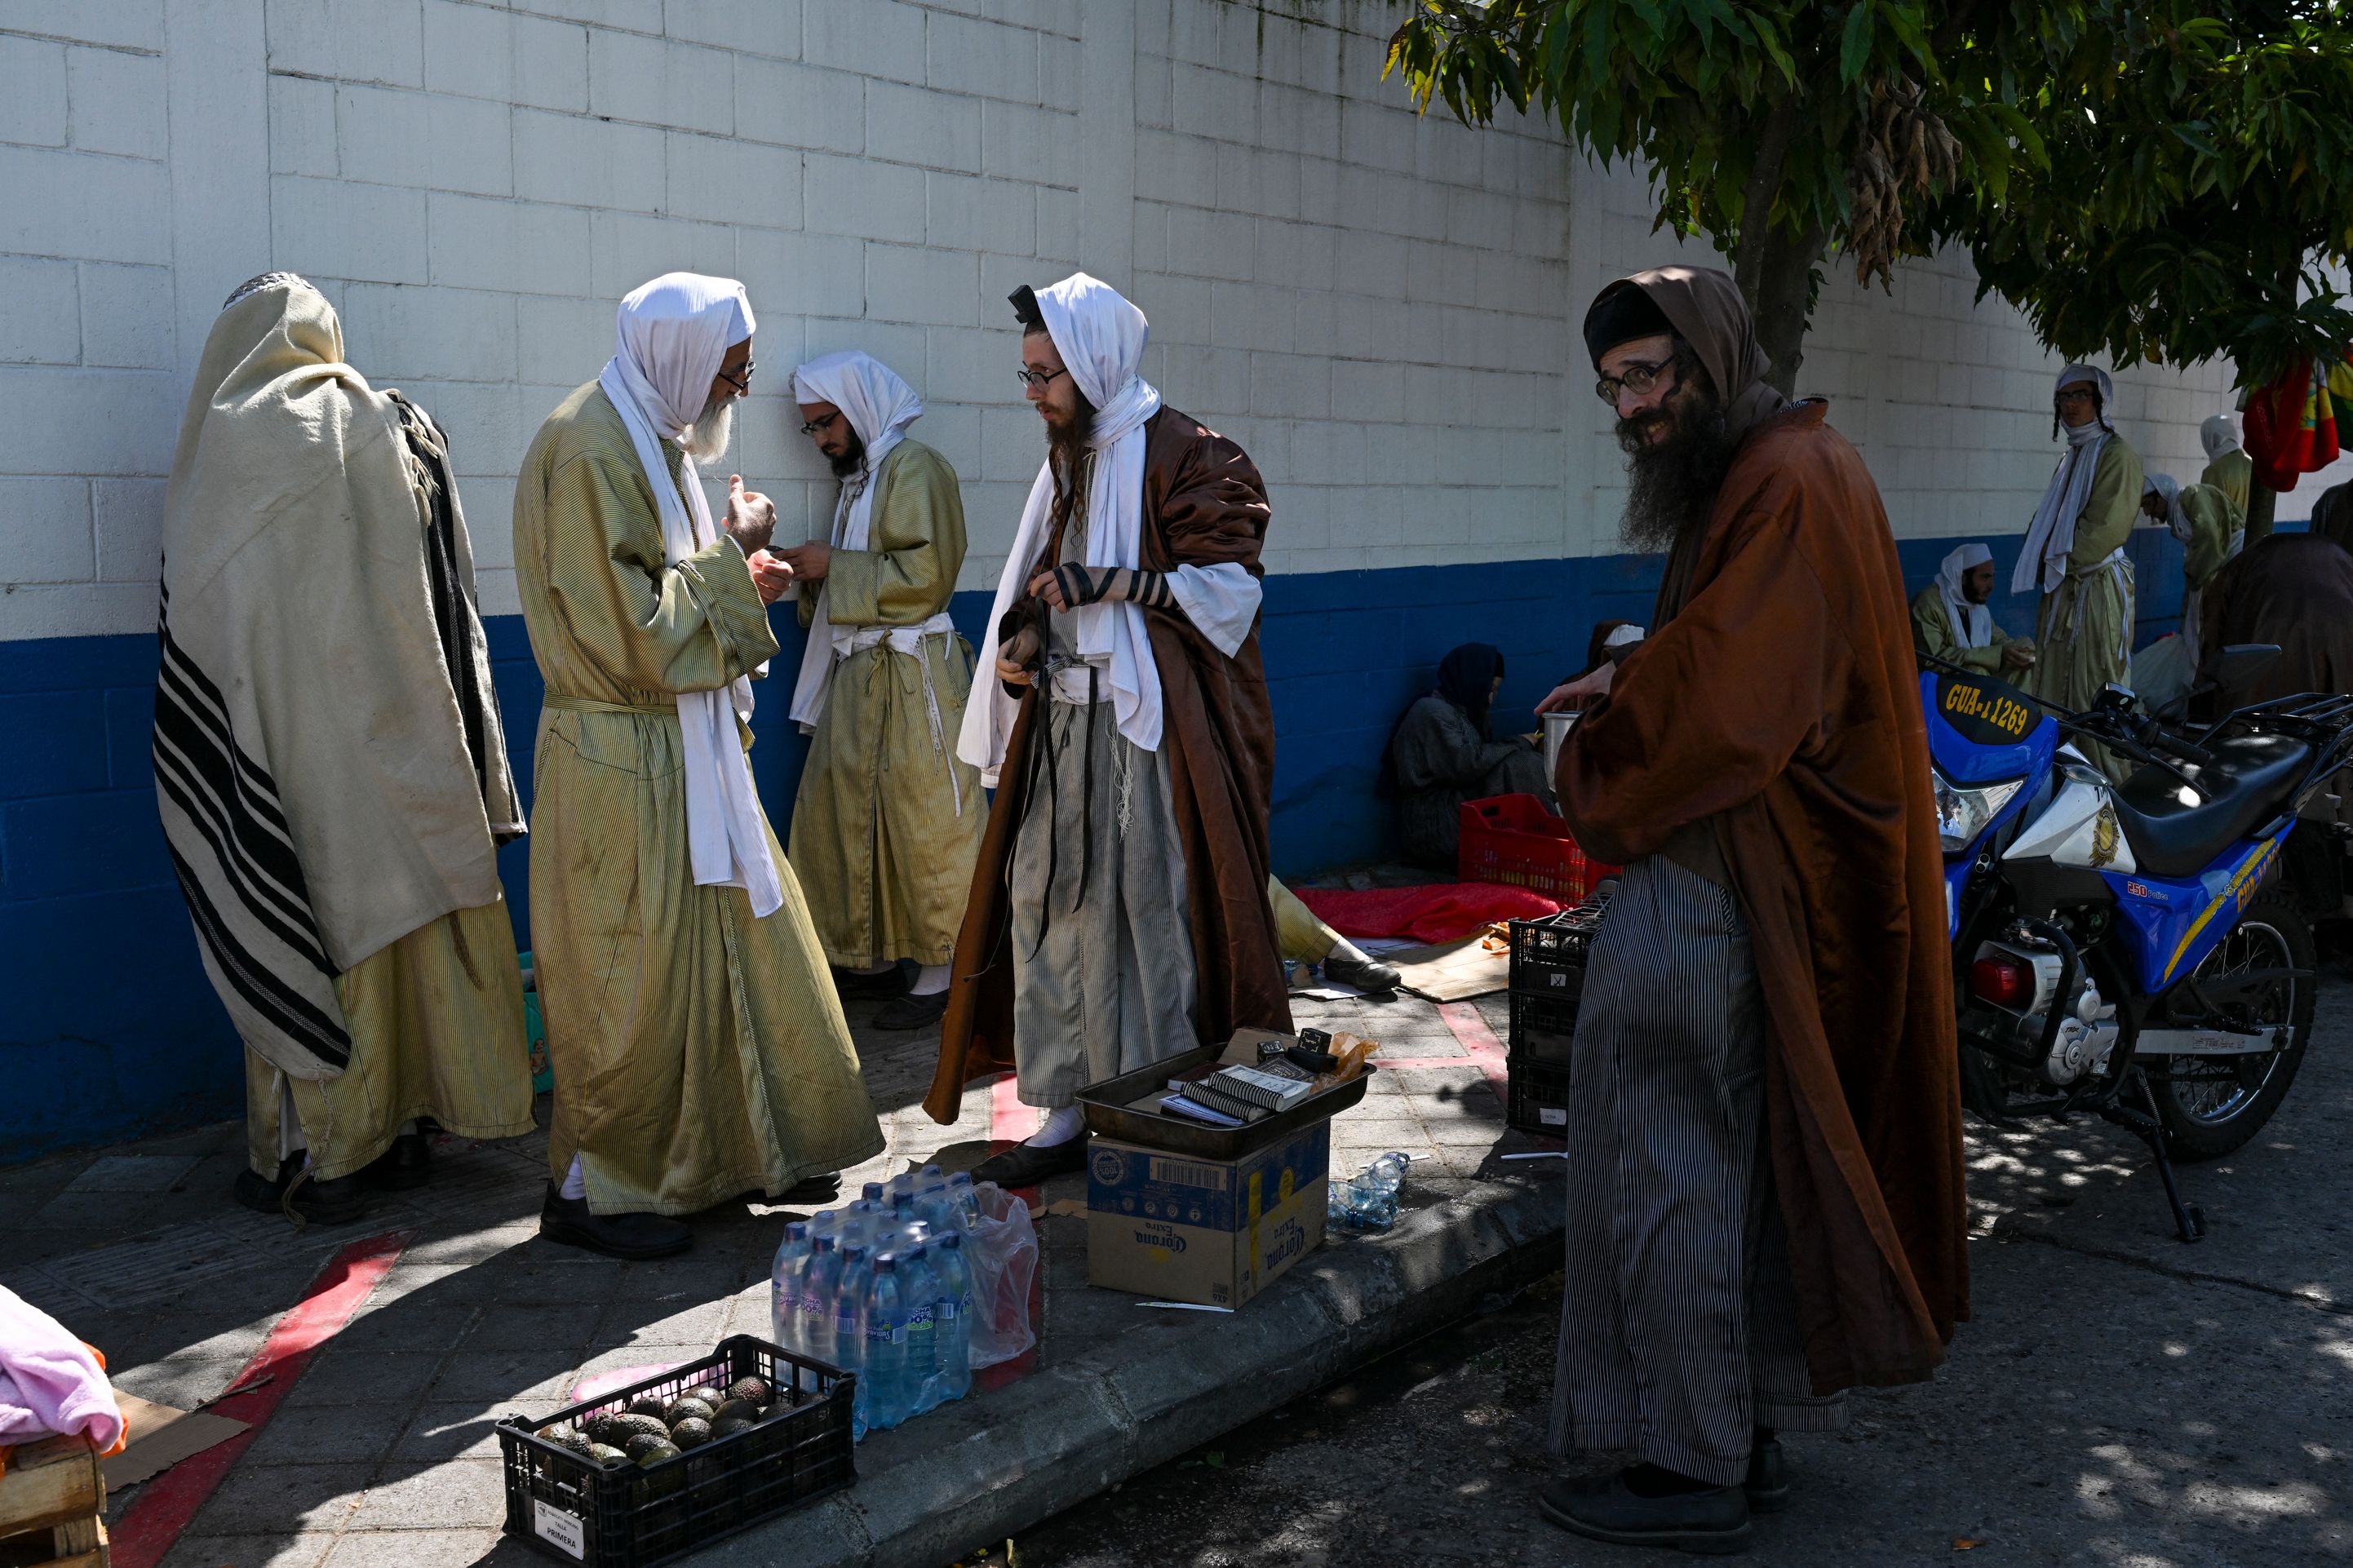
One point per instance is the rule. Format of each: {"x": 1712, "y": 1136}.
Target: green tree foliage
{"x": 1783, "y": 130}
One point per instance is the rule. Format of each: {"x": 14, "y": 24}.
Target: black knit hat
{"x": 1619, "y": 314}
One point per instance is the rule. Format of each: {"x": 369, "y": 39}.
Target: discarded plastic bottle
{"x": 921, "y": 1291}
{"x": 882, "y": 1372}
{"x": 784, "y": 1287}
{"x": 1370, "y": 1201}
{"x": 952, "y": 1316}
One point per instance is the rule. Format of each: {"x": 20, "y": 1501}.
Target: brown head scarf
{"x": 1705, "y": 307}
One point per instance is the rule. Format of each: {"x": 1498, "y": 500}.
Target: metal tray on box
{"x": 1108, "y": 1116}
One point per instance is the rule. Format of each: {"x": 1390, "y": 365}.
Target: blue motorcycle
{"x": 2122, "y": 949}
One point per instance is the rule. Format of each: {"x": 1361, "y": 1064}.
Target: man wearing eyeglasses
{"x": 888, "y": 823}
{"x": 699, "y": 1051}
{"x": 1764, "y": 1151}
{"x": 1119, "y": 914}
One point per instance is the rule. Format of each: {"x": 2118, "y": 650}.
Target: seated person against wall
{"x": 1444, "y": 753}
{"x": 1951, "y": 619}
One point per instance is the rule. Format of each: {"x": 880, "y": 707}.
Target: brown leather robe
{"x": 1774, "y": 710}
{"x": 1204, "y": 503}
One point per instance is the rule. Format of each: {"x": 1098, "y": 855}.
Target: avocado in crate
{"x": 664, "y": 1466}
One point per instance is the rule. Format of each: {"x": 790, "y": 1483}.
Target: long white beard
{"x": 706, "y": 440}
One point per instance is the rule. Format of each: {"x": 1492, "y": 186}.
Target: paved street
{"x": 2120, "y": 1399}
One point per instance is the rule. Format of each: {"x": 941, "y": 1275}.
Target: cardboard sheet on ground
{"x": 1453, "y": 971}
{"x": 160, "y": 1438}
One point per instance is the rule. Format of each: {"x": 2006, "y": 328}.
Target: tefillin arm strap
{"x": 1085, "y": 586}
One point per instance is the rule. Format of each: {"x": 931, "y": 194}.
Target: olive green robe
{"x": 2086, "y": 626}
{"x": 1932, "y": 634}
{"x": 699, "y": 1053}
{"x": 887, "y": 826}
{"x": 2232, "y": 473}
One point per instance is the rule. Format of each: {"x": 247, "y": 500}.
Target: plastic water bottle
{"x": 872, "y": 1193}
{"x": 883, "y": 1372}
{"x": 921, "y": 1293}
{"x": 952, "y": 1314}
{"x": 847, "y": 1306}
{"x": 820, "y": 1277}
{"x": 933, "y": 1207}
{"x": 785, "y": 1284}
{"x": 966, "y": 1199}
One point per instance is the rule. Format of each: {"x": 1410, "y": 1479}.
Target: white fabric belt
{"x": 1071, "y": 686}
{"x": 908, "y": 640}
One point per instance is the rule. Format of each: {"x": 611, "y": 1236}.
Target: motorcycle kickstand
{"x": 2189, "y": 1219}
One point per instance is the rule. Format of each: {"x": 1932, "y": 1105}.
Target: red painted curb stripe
{"x": 1009, "y": 1122}
{"x": 170, "y": 1502}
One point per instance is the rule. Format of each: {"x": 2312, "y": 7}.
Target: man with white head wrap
{"x": 1118, "y": 915}
{"x": 1951, "y": 619}
{"x": 699, "y": 1051}
{"x": 2211, "y": 527}
{"x": 2228, "y": 467}
{"x": 887, "y": 826}
{"x": 2075, "y": 552}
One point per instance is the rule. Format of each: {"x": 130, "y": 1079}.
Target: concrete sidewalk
{"x": 383, "y": 1451}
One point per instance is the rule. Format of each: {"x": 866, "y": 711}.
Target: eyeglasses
{"x": 820, "y": 426}
{"x": 1639, "y": 379}
{"x": 1037, "y": 377}
{"x": 2075, "y": 393}
{"x": 741, "y": 380}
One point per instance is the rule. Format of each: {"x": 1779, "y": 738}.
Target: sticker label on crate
{"x": 552, "y": 1523}
{"x": 1552, "y": 1115}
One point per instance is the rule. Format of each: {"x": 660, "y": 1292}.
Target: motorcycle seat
{"x": 2251, "y": 781}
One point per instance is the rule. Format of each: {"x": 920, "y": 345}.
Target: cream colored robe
{"x": 2086, "y": 626}
{"x": 699, "y": 1053}
{"x": 887, "y": 827}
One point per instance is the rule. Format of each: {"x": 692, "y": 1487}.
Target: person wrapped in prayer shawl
{"x": 328, "y": 763}
{"x": 699, "y": 1052}
{"x": 1444, "y": 753}
{"x": 887, "y": 826}
{"x": 1119, "y": 913}
{"x": 1764, "y": 1194}
{"x": 2212, "y": 528}
{"x": 1952, "y": 621}
{"x": 2228, "y": 467}
{"x": 2074, "y": 553}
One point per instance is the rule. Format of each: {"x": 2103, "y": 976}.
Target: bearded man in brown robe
{"x": 1118, "y": 916}
{"x": 1765, "y": 1178}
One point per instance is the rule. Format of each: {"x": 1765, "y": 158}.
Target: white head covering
{"x": 2042, "y": 564}
{"x": 2219, "y": 434}
{"x": 673, "y": 333}
{"x": 1972, "y": 624}
{"x": 879, "y": 406}
{"x": 1623, "y": 636}
{"x": 2167, "y": 489}
{"x": 1101, "y": 337}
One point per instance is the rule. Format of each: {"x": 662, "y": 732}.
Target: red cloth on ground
{"x": 1444, "y": 911}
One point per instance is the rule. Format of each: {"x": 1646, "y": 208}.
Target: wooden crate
{"x": 54, "y": 1489}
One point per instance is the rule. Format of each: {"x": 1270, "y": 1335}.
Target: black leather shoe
{"x": 1026, "y": 1164}
{"x": 1361, "y": 972}
{"x": 1712, "y": 1523}
{"x": 812, "y": 1192}
{"x": 913, "y": 1012}
{"x": 404, "y": 1167}
{"x": 339, "y": 1202}
{"x": 1768, "y": 1484}
{"x": 631, "y": 1236}
{"x": 849, "y": 987}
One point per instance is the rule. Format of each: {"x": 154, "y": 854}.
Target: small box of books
{"x": 1212, "y": 1233}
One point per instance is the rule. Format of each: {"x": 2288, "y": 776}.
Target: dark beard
{"x": 1073, "y": 465}
{"x": 853, "y": 457}
{"x": 1673, "y": 483}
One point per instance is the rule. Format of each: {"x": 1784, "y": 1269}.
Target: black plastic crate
{"x": 1536, "y": 1098}
{"x": 1543, "y": 1026}
{"x": 576, "y": 1510}
{"x": 1548, "y": 956}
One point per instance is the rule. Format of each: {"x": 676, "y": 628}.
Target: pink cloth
{"x": 50, "y": 1385}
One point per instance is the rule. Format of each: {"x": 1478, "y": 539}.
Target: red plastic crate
{"x": 1514, "y": 840}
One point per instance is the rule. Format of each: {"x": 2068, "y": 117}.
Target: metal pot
{"x": 1556, "y": 727}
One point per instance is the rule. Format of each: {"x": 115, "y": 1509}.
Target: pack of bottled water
{"x": 1368, "y": 1201}
{"x": 882, "y": 1288}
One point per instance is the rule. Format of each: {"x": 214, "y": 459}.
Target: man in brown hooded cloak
{"x": 1764, "y": 1168}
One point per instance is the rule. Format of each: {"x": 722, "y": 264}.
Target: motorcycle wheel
{"x": 2212, "y": 1105}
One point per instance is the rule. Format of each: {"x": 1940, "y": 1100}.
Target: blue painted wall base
{"x": 112, "y": 1030}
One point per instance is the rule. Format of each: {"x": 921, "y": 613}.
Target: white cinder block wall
{"x": 1382, "y": 307}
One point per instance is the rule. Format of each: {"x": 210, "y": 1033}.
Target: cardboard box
{"x": 1215, "y": 1233}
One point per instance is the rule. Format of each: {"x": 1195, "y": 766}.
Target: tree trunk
{"x": 1784, "y": 287}
{"x": 2262, "y": 506}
